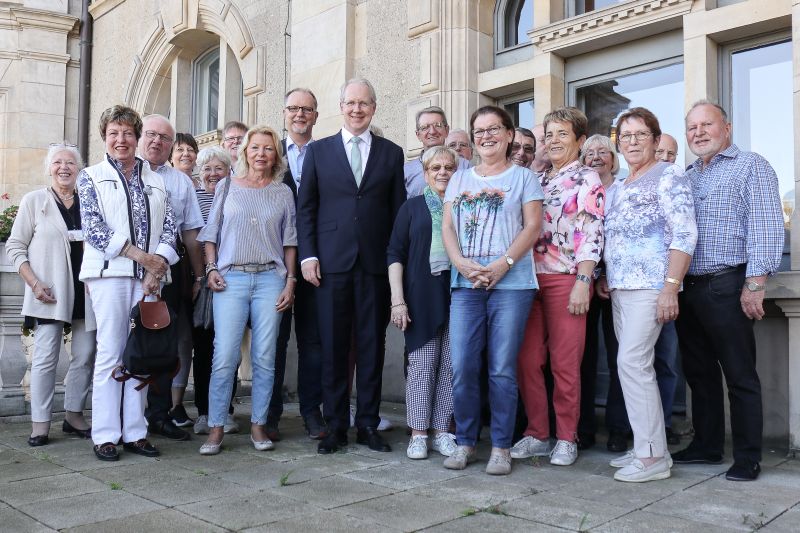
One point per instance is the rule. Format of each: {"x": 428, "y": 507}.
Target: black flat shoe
{"x": 106, "y": 451}
{"x": 672, "y": 437}
{"x": 66, "y": 427}
{"x": 167, "y": 429}
{"x": 372, "y": 439}
{"x": 585, "y": 441}
{"x": 332, "y": 443}
{"x": 693, "y": 456}
{"x": 743, "y": 470}
{"x": 38, "y": 440}
{"x": 617, "y": 442}
{"x": 141, "y": 447}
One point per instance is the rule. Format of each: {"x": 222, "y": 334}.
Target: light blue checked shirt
{"x": 738, "y": 212}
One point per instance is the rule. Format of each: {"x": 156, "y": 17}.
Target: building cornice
{"x": 43, "y": 20}
{"x": 609, "y": 26}
{"x": 101, "y": 7}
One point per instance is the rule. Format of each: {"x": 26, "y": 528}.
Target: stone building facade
{"x": 203, "y": 62}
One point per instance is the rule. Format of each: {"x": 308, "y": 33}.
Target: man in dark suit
{"x": 300, "y": 115}
{"x": 352, "y": 187}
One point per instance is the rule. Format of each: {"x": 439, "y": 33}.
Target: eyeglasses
{"x": 492, "y": 130}
{"x": 437, "y": 168}
{"x": 435, "y": 125}
{"x": 68, "y": 145}
{"x": 298, "y": 108}
{"x": 234, "y": 139}
{"x": 458, "y": 145}
{"x": 661, "y": 152}
{"x": 353, "y": 104}
{"x": 150, "y": 134}
{"x": 599, "y": 153}
{"x": 640, "y": 136}
{"x": 68, "y": 162}
{"x": 527, "y": 148}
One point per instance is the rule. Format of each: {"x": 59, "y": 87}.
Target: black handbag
{"x": 203, "y": 312}
{"x": 152, "y": 346}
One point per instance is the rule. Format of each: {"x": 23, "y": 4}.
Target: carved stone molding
{"x": 610, "y": 22}
{"x": 423, "y": 16}
{"x": 43, "y": 20}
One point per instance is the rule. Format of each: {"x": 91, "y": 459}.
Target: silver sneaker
{"x": 630, "y": 455}
{"x": 499, "y": 464}
{"x": 417, "y": 447}
{"x": 444, "y": 443}
{"x": 460, "y": 458}
{"x": 564, "y": 453}
{"x": 201, "y": 425}
{"x": 230, "y": 425}
{"x": 636, "y": 472}
{"x": 530, "y": 447}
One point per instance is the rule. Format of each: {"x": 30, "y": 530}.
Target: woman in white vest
{"x": 46, "y": 249}
{"x": 129, "y": 231}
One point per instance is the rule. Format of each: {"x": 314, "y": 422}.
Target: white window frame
{"x": 200, "y": 86}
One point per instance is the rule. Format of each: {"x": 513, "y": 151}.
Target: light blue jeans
{"x": 494, "y": 320}
{"x": 253, "y": 296}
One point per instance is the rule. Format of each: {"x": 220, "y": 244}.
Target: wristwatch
{"x": 752, "y": 286}
{"x": 509, "y": 261}
{"x": 584, "y": 278}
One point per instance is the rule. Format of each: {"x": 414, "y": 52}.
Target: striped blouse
{"x": 257, "y": 224}
{"x": 204, "y": 198}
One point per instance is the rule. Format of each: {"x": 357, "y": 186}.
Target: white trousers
{"x": 46, "y": 349}
{"x": 113, "y": 299}
{"x": 637, "y": 332}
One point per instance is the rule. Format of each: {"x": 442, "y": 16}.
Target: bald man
{"x": 541, "y": 161}
{"x": 667, "y": 149}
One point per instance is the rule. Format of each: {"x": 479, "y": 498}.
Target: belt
{"x": 717, "y": 273}
{"x": 253, "y": 267}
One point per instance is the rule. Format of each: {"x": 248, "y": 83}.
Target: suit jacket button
{"x": 355, "y": 218}
{"x": 359, "y": 197}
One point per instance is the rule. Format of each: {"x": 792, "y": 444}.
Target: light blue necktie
{"x": 355, "y": 159}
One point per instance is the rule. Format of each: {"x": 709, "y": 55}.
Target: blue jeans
{"x": 247, "y": 295}
{"x": 494, "y": 320}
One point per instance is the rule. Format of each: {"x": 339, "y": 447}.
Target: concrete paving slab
{"x": 183, "y": 491}
{"x": 28, "y": 470}
{"x": 561, "y": 510}
{"x": 327, "y": 521}
{"x": 788, "y": 522}
{"x": 639, "y": 521}
{"x": 476, "y": 489}
{"x": 210, "y": 464}
{"x": 164, "y": 520}
{"x": 333, "y": 491}
{"x": 13, "y": 520}
{"x": 262, "y": 476}
{"x": 142, "y": 475}
{"x": 10, "y": 455}
{"x": 405, "y": 475}
{"x": 255, "y": 509}
{"x": 88, "y": 508}
{"x": 404, "y": 511}
{"x": 495, "y": 523}
{"x": 47, "y": 488}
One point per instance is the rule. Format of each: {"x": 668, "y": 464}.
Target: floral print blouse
{"x": 572, "y": 231}
{"x": 646, "y": 219}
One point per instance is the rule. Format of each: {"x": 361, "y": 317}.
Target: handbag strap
{"x": 221, "y": 216}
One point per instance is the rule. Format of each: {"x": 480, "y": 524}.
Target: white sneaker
{"x": 418, "y": 447}
{"x": 384, "y": 425}
{"x": 230, "y": 425}
{"x": 460, "y": 458}
{"x": 201, "y": 425}
{"x": 444, "y": 443}
{"x": 636, "y": 472}
{"x": 564, "y": 453}
{"x": 530, "y": 447}
{"x": 625, "y": 460}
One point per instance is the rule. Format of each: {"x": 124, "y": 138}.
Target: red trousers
{"x": 552, "y": 330}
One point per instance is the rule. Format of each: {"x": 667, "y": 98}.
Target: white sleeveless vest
{"x": 115, "y": 205}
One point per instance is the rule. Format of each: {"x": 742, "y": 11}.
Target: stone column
{"x": 791, "y": 308}
{"x": 12, "y": 358}
{"x": 548, "y": 83}
{"x": 795, "y": 235}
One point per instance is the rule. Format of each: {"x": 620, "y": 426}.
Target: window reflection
{"x": 659, "y": 90}
{"x": 761, "y": 104}
{"x": 518, "y": 19}
{"x": 206, "y": 92}
{"x": 521, "y": 113}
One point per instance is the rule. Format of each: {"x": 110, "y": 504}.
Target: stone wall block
{"x": 430, "y": 63}
{"x": 423, "y": 16}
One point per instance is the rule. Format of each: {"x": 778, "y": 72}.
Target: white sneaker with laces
{"x": 530, "y": 447}
{"x": 230, "y": 425}
{"x": 201, "y": 425}
{"x": 637, "y": 472}
{"x": 418, "y": 447}
{"x": 630, "y": 455}
{"x": 460, "y": 458}
{"x": 444, "y": 443}
{"x": 564, "y": 453}
{"x": 385, "y": 424}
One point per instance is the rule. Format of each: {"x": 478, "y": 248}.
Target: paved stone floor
{"x": 63, "y": 487}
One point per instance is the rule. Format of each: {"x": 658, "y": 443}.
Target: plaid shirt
{"x": 738, "y": 212}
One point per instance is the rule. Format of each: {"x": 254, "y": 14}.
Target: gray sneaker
{"x": 201, "y": 425}
{"x": 530, "y": 447}
{"x": 460, "y": 458}
{"x": 499, "y": 464}
{"x": 564, "y": 453}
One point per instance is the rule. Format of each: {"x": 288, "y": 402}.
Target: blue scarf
{"x": 438, "y": 256}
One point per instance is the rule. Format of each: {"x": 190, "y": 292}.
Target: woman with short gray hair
{"x": 46, "y": 248}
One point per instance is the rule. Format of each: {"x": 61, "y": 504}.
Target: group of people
{"x": 499, "y": 252}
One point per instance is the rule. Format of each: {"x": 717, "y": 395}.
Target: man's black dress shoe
{"x": 167, "y": 429}
{"x": 66, "y": 427}
{"x": 106, "y": 451}
{"x": 585, "y": 441}
{"x": 743, "y": 470}
{"x": 617, "y": 442}
{"x": 372, "y": 439}
{"x": 141, "y": 447}
{"x": 693, "y": 456}
{"x": 672, "y": 437}
{"x": 38, "y": 440}
{"x": 332, "y": 443}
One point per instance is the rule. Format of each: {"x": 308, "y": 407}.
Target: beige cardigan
{"x": 39, "y": 236}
